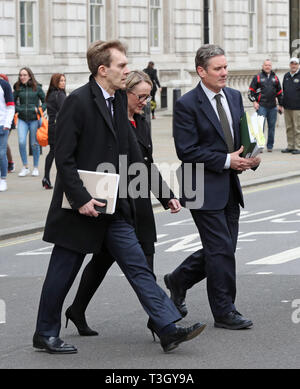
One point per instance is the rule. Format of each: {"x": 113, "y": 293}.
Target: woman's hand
{"x": 174, "y": 205}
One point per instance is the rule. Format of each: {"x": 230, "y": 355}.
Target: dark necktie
{"x": 110, "y": 107}
{"x": 225, "y": 124}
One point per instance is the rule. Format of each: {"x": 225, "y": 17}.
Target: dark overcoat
{"x": 85, "y": 138}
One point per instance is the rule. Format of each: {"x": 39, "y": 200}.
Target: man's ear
{"x": 201, "y": 71}
{"x": 102, "y": 71}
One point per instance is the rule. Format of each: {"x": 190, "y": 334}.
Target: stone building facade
{"x": 53, "y": 35}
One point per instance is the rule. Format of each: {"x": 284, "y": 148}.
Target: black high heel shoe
{"x": 153, "y": 330}
{"x": 80, "y": 323}
{"x": 182, "y": 334}
{"x": 46, "y": 183}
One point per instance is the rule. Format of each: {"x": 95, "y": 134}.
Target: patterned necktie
{"x": 225, "y": 124}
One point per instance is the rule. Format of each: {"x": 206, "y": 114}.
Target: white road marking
{"x": 278, "y": 259}
{"x": 296, "y": 211}
{"x": 43, "y": 251}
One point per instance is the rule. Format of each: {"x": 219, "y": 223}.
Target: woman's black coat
{"x": 54, "y": 102}
{"x": 145, "y": 222}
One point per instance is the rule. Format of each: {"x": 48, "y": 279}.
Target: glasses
{"x": 142, "y": 99}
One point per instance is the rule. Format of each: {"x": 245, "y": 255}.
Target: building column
{"x": 294, "y": 26}
{"x": 218, "y": 17}
{"x": 168, "y": 22}
{"x": 112, "y": 30}
{"x": 45, "y": 24}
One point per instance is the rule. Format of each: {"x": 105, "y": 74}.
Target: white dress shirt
{"x": 211, "y": 97}
{"x": 107, "y": 96}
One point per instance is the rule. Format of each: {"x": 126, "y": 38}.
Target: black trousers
{"x": 122, "y": 244}
{"x": 219, "y": 233}
{"x": 49, "y": 162}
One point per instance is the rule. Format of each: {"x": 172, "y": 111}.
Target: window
{"x": 252, "y": 23}
{"x": 206, "y": 20}
{"x": 26, "y": 24}
{"x": 96, "y": 20}
{"x": 155, "y": 12}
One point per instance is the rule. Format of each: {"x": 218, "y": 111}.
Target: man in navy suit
{"x": 206, "y": 131}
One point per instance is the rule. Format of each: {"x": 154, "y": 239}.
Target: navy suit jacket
{"x": 199, "y": 138}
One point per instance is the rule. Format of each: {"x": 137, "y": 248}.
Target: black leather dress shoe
{"x": 287, "y": 150}
{"x": 182, "y": 334}
{"x": 294, "y": 152}
{"x": 233, "y": 321}
{"x": 177, "y": 295}
{"x": 52, "y": 345}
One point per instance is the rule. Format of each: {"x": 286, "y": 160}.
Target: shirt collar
{"x": 210, "y": 94}
{"x": 105, "y": 93}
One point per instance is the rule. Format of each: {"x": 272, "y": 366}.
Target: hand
{"x": 254, "y": 161}
{"x": 239, "y": 163}
{"x": 160, "y": 89}
{"x": 280, "y": 109}
{"x": 174, "y": 205}
{"x": 89, "y": 210}
{"x": 256, "y": 105}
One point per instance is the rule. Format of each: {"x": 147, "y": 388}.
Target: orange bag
{"x": 42, "y": 132}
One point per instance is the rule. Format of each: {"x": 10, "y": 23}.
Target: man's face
{"x": 294, "y": 66}
{"x": 117, "y": 73}
{"x": 267, "y": 67}
{"x": 215, "y": 76}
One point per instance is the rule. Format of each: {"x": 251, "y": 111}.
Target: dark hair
{"x": 31, "y": 82}
{"x": 205, "y": 53}
{"x": 99, "y": 53}
{"x": 150, "y": 64}
{"x": 54, "y": 82}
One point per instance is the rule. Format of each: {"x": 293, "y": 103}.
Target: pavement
{"x": 24, "y": 206}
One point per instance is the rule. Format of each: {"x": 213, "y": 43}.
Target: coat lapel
{"x": 235, "y": 118}
{"x": 101, "y": 104}
{"x": 208, "y": 110}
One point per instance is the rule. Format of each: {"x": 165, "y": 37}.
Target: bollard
{"x": 164, "y": 97}
{"x": 176, "y": 96}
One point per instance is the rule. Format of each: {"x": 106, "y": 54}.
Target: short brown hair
{"x": 205, "y": 53}
{"x": 99, "y": 54}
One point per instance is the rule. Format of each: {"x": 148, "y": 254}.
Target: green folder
{"x": 247, "y": 140}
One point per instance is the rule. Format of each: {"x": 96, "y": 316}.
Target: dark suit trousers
{"x": 122, "y": 244}
{"x": 191, "y": 271}
{"x": 219, "y": 233}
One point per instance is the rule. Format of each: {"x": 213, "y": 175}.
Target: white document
{"x": 101, "y": 186}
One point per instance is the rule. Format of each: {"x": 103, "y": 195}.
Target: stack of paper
{"x": 252, "y": 134}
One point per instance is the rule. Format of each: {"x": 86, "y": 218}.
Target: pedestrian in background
{"x": 291, "y": 104}
{"x": 10, "y": 165}
{"x": 28, "y": 94}
{"x": 55, "y": 98}
{"x": 7, "y": 111}
{"x": 264, "y": 91}
{"x": 152, "y": 73}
